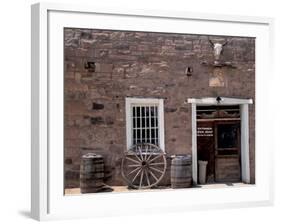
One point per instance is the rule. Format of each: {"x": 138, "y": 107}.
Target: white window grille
{"x": 145, "y": 121}
{"x": 145, "y": 124}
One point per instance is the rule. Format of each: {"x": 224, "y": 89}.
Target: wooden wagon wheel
{"x": 143, "y": 166}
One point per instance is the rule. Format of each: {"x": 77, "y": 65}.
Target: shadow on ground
{"x": 25, "y": 214}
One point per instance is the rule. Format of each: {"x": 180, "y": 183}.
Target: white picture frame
{"x": 48, "y": 200}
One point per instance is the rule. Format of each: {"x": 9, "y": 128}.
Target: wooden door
{"x": 227, "y": 151}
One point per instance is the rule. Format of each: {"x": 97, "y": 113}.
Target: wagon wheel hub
{"x": 144, "y": 163}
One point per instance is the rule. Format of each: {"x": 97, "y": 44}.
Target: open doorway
{"x": 219, "y": 142}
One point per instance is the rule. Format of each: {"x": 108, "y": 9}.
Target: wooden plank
{"x": 218, "y": 119}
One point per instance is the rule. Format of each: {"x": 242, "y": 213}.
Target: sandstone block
{"x": 97, "y": 120}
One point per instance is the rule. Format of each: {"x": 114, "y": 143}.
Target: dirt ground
{"x": 118, "y": 189}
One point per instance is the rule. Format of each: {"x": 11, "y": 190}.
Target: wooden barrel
{"x": 91, "y": 173}
{"x": 181, "y": 171}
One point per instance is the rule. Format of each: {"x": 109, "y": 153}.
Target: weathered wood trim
{"x": 218, "y": 119}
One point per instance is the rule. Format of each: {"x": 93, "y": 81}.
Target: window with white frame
{"x": 145, "y": 121}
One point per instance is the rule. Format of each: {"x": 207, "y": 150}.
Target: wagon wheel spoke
{"x": 133, "y": 171}
{"x": 134, "y": 161}
{"x": 150, "y": 154}
{"x": 140, "y": 152}
{"x": 155, "y": 169}
{"x": 134, "y": 165}
{"x": 136, "y": 155}
{"x": 136, "y": 175}
{"x": 146, "y": 149}
{"x": 153, "y": 175}
{"x": 156, "y": 164}
{"x": 141, "y": 179}
{"x": 147, "y": 178}
{"x": 161, "y": 155}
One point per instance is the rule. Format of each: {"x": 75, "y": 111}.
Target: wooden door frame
{"x": 244, "y": 114}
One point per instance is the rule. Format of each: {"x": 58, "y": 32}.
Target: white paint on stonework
{"x": 244, "y": 111}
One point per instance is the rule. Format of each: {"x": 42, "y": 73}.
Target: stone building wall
{"x": 142, "y": 64}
